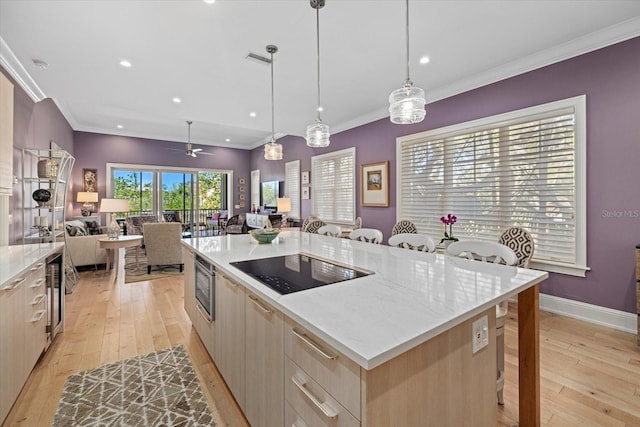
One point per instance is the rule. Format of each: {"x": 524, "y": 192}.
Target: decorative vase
{"x": 41, "y": 196}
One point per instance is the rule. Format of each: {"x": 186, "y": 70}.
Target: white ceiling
{"x": 196, "y": 51}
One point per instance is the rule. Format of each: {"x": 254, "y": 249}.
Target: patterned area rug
{"x": 158, "y": 389}
{"x": 133, "y": 274}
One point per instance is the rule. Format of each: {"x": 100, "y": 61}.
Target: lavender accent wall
{"x": 610, "y": 78}
{"x": 35, "y": 125}
{"x": 94, "y": 151}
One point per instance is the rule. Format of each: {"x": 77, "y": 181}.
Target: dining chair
{"x": 330, "y": 230}
{"x": 370, "y": 235}
{"x": 162, "y": 244}
{"x": 413, "y": 241}
{"x": 404, "y": 226}
{"x": 307, "y": 220}
{"x": 313, "y": 226}
{"x": 520, "y": 242}
{"x": 358, "y": 223}
{"x": 499, "y": 254}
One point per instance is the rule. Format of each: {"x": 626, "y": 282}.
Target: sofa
{"x": 83, "y": 247}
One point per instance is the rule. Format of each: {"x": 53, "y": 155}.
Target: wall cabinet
{"x": 22, "y": 331}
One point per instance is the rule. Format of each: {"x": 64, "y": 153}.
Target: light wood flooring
{"x": 590, "y": 375}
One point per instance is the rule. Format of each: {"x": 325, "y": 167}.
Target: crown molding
{"x": 15, "y": 69}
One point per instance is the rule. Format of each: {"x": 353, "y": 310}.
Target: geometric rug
{"x": 133, "y": 274}
{"x": 157, "y": 389}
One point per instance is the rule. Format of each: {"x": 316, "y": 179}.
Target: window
{"x": 333, "y": 186}
{"x": 292, "y": 187}
{"x": 525, "y": 168}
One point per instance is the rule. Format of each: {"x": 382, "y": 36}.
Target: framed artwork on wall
{"x": 241, "y": 181}
{"x": 306, "y": 193}
{"x": 374, "y": 184}
{"x": 306, "y": 179}
{"x": 241, "y": 189}
{"x": 242, "y": 197}
{"x": 90, "y": 180}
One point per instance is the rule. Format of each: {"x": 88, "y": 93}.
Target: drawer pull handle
{"x": 16, "y": 284}
{"x": 38, "y": 316}
{"x": 260, "y": 305}
{"x": 37, "y": 266}
{"x": 328, "y": 411}
{"x": 313, "y": 345}
{"x": 37, "y": 300}
{"x": 37, "y": 283}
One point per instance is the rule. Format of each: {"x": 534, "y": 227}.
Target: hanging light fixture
{"x": 272, "y": 150}
{"x": 318, "y": 132}
{"x": 406, "y": 105}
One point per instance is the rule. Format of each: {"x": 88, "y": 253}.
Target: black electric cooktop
{"x": 295, "y": 273}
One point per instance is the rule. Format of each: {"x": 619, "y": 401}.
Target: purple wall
{"x": 35, "y": 125}
{"x": 94, "y": 151}
{"x": 610, "y": 78}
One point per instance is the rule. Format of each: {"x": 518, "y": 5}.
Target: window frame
{"x": 292, "y": 185}
{"x": 578, "y": 104}
{"x": 317, "y": 177}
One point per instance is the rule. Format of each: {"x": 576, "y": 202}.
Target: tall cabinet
{"x": 45, "y": 181}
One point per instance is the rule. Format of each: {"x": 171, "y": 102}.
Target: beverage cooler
{"x": 55, "y": 295}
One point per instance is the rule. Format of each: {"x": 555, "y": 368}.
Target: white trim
{"x": 15, "y": 69}
{"x": 603, "y": 316}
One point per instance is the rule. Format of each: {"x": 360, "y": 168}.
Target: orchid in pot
{"x": 448, "y": 237}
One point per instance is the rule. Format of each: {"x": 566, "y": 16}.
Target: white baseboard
{"x": 603, "y": 316}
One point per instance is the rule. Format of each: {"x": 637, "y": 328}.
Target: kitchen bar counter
{"x": 411, "y": 298}
{"x": 16, "y": 259}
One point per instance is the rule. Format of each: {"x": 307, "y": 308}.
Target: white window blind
{"x": 333, "y": 186}
{"x": 517, "y": 169}
{"x": 292, "y": 187}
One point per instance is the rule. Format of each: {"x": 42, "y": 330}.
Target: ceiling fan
{"x": 193, "y": 152}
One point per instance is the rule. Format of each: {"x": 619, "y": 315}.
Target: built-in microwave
{"x": 205, "y": 287}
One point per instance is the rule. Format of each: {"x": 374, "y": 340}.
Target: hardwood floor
{"x": 590, "y": 374}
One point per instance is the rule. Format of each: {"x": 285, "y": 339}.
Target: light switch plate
{"x": 480, "y": 333}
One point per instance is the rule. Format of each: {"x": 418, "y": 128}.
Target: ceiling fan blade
{"x": 173, "y": 149}
{"x": 192, "y": 154}
{"x": 195, "y": 150}
{"x": 207, "y": 154}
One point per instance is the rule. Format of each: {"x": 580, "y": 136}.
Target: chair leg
{"x": 181, "y": 267}
{"x": 500, "y": 364}
{"x": 148, "y": 269}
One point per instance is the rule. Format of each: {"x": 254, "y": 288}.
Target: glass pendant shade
{"x": 406, "y": 105}
{"x": 273, "y": 151}
{"x": 318, "y": 135}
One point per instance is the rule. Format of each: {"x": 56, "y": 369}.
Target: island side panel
{"x": 529, "y": 357}
{"x": 437, "y": 383}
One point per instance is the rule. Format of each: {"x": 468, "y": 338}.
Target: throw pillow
{"x": 93, "y": 228}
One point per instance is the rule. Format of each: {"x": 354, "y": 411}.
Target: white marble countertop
{"x": 17, "y": 259}
{"x": 410, "y": 298}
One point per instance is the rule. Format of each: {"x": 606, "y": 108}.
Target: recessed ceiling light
{"x": 252, "y": 114}
{"x": 125, "y": 63}
{"x": 209, "y": 1}
{"x": 176, "y": 100}
{"x": 40, "y": 63}
{"x": 320, "y": 109}
{"x": 119, "y": 126}
{"x": 424, "y": 60}
{"x": 228, "y": 140}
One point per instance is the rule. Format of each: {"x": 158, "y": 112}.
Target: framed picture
{"x": 241, "y": 181}
{"x": 374, "y": 184}
{"x": 241, "y": 189}
{"x": 306, "y": 193}
{"x": 90, "y": 180}
{"x": 242, "y": 197}
{"x": 241, "y": 204}
{"x": 306, "y": 179}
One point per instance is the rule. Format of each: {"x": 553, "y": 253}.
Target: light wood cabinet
{"x": 229, "y": 351}
{"x": 264, "y": 368}
{"x": 22, "y": 331}
{"x": 6, "y": 136}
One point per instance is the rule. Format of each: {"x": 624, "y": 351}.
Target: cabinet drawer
{"x": 292, "y": 418}
{"x": 336, "y": 373}
{"x": 310, "y": 403}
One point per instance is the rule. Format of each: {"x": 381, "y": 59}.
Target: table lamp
{"x": 284, "y": 206}
{"x": 113, "y": 206}
{"x": 89, "y": 199}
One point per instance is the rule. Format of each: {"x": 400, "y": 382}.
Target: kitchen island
{"x": 401, "y": 337}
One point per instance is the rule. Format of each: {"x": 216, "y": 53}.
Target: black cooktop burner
{"x": 294, "y": 273}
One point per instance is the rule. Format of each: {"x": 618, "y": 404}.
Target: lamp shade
{"x": 284, "y": 204}
{"x": 273, "y": 151}
{"x": 406, "y": 105}
{"x": 87, "y": 197}
{"x": 114, "y": 205}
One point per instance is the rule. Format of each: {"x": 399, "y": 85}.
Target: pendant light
{"x": 406, "y": 105}
{"x": 318, "y": 132}
{"x": 272, "y": 150}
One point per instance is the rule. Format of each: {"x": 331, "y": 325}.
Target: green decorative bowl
{"x": 264, "y": 235}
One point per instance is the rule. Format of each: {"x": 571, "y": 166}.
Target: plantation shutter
{"x": 519, "y": 172}
{"x": 333, "y": 186}
{"x": 292, "y": 187}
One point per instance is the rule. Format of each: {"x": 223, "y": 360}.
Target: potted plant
{"x": 448, "y": 237}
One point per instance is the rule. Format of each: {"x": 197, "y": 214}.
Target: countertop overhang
{"x": 411, "y": 297}
{"x": 17, "y": 259}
